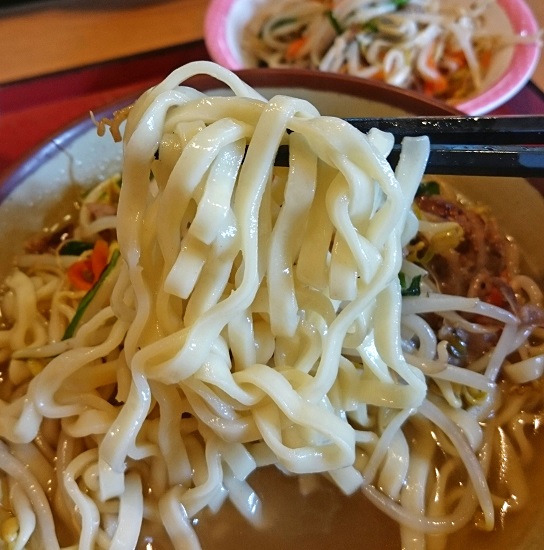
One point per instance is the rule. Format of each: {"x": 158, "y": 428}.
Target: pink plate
{"x": 510, "y": 69}
{"x": 522, "y": 64}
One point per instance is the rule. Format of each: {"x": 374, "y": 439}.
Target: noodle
{"x": 211, "y": 314}
{"x": 425, "y": 45}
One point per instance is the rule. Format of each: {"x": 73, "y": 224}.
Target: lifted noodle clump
{"x": 214, "y": 313}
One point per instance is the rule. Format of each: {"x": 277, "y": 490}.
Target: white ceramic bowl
{"x": 43, "y": 185}
{"x": 76, "y": 158}
{"x": 509, "y": 71}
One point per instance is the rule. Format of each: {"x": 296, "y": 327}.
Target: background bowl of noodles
{"x": 43, "y": 187}
{"x": 227, "y": 23}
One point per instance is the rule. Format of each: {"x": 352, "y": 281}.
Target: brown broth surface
{"x": 519, "y": 529}
{"x": 323, "y": 519}
{"x": 326, "y": 519}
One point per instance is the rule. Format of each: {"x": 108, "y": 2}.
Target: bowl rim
{"x": 259, "y": 77}
{"x": 215, "y": 34}
{"x": 347, "y": 84}
{"x": 51, "y": 145}
{"x": 523, "y": 64}
{"x": 525, "y": 58}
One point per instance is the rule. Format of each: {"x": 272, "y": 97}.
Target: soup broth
{"x": 140, "y": 388}
{"x": 327, "y": 519}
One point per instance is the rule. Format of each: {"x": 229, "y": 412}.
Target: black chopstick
{"x": 474, "y": 146}
{"x": 524, "y": 161}
{"x": 462, "y": 130}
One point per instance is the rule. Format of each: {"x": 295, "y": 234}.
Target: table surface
{"x": 40, "y": 37}
{"x": 62, "y": 58}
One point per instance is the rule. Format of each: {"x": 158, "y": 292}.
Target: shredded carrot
{"x": 495, "y": 297}
{"x": 379, "y": 75}
{"x": 80, "y": 275}
{"x": 438, "y": 84}
{"x": 294, "y": 47}
{"x": 435, "y": 87}
{"x": 99, "y": 257}
{"x": 485, "y": 59}
{"x": 85, "y": 272}
{"x": 456, "y": 57}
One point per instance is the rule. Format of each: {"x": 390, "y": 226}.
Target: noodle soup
{"x": 184, "y": 339}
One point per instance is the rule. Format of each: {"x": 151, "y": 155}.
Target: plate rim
{"x": 523, "y": 63}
